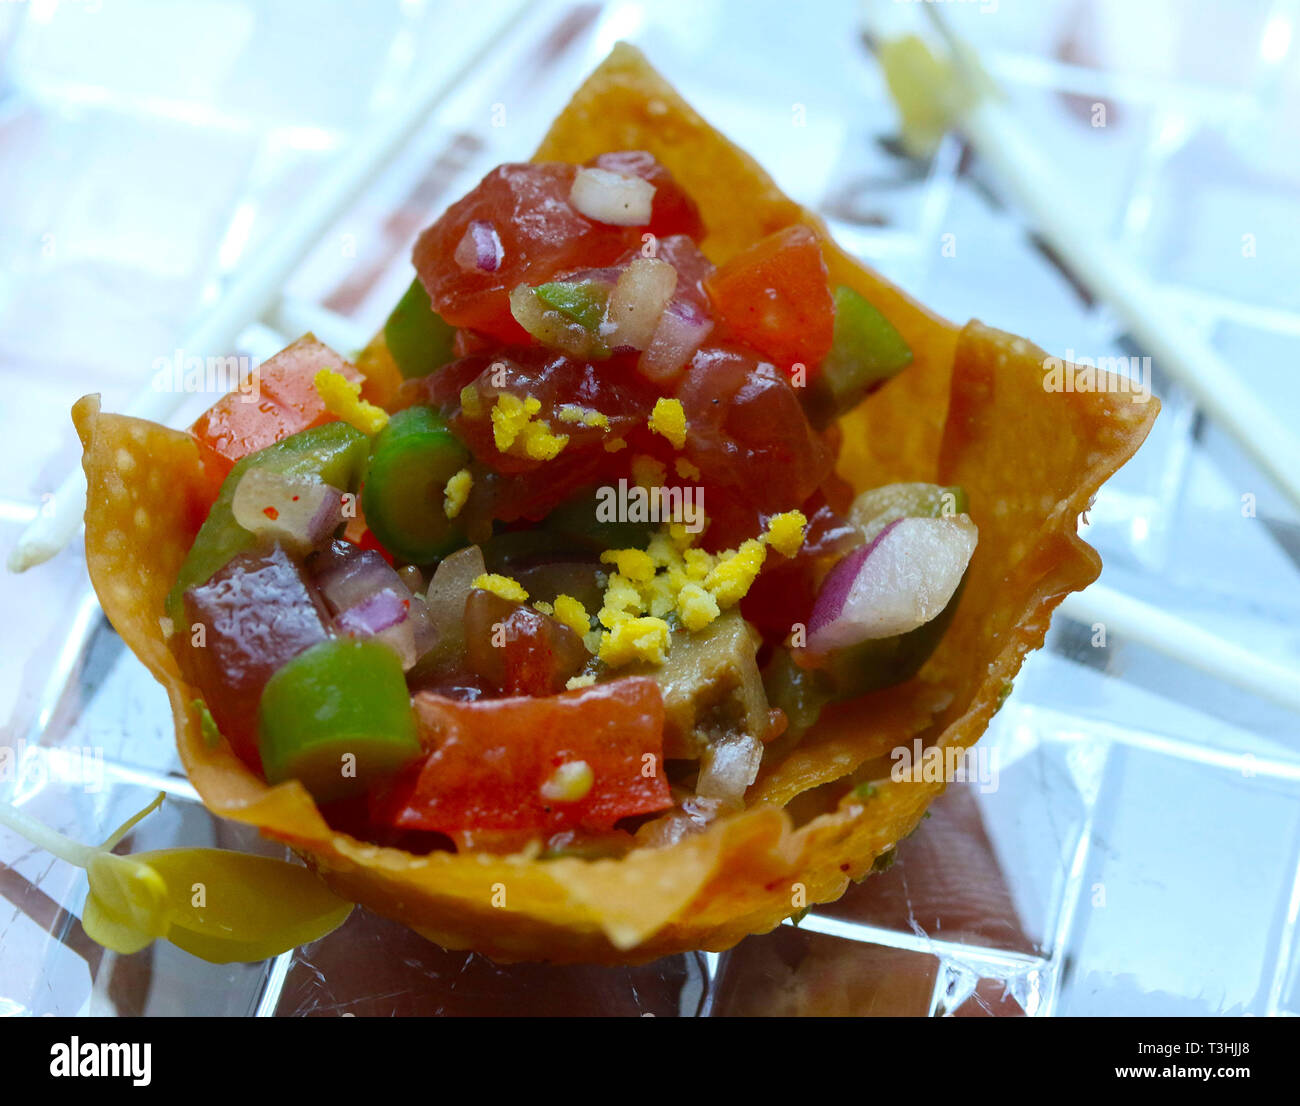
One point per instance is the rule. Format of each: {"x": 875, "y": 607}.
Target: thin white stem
{"x": 38, "y": 833}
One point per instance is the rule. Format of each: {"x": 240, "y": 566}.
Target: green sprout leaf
{"x": 218, "y": 905}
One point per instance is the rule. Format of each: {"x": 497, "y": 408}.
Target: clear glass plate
{"x": 1140, "y": 852}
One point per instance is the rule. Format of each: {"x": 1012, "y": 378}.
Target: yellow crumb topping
{"x": 669, "y": 419}
{"x": 573, "y": 614}
{"x": 543, "y": 607}
{"x": 513, "y": 421}
{"x": 343, "y": 398}
{"x": 635, "y": 564}
{"x": 575, "y": 682}
{"x": 471, "y": 403}
{"x": 569, "y": 783}
{"x": 583, "y": 416}
{"x": 648, "y": 472}
{"x": 735, "y": 571}
{"x": 614, "y": 445}
{"x": 686, "y": 470}
{"x": 635, "y": 639}
{"x": 456, "y": 493}
{"x": 500, "y": 585}
{"x": 671, "y": 579}
{"x": 697, "y": 607}
{"x": 785, "y": 532}
{"x": 540, "y": 444}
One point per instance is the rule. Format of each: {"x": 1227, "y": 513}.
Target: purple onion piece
{"x": 347, "y": 575}
{"x": 480, "y": 248}
{"x": 839, "y": 584}
{"x": 372, "y": 615}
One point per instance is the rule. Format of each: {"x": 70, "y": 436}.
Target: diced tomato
{"x": 234, "y": 426}
{"x": 285, "y": 403}
{"x": 491, "y": 757}
{"x": 775, "y": 297}
{"x": 527, "y": 205}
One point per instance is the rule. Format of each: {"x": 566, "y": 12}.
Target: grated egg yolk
{"x": 669, "y": 419}
{"x": 342, "y": 397}
{"x": 456, "y": 493}
{"x": 503, "y": 586}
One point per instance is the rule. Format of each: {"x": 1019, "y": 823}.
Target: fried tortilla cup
{"x": 972, "y": 410}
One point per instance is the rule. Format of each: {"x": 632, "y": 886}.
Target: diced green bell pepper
{"x": 334, "y": 453}
{"x": 416, "y": 335}
{"x": 865, "y": 350}
{"x": 583, "y": 301}
{"x": 411, "y": 460}
{"x": 338, "y": 718}
{"x": 575, "y": 519}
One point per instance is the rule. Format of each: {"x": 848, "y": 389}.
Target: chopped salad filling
{"x": 563, "y": 590}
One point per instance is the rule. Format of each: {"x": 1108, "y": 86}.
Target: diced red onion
{"x": 480, "y": 248}
{"x": 346, "y": 575}
{"x": 695, "y": 815}
{"x": 681, "y": 331}
{"x": 730, "y": 765}
{"x": 609, "y": 197}
{"x": 373, "y": 614}
{"x": 367, "y": 597}
{"x": 638, "y": 301}
{"x": 384, "y": 617}
{"x": 902, "y": 580}
{"x": 298, "y": 512}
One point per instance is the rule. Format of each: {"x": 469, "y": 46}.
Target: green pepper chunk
{"x": 416, "y": 335}
{"x": 337, "y": 718}
{"x": 865, "y": 351}
{"x": 411, "y": 460}
{"x": 334, "y": 453}
{"x": 576, "y": 520}
{"x": 583, "y": 301}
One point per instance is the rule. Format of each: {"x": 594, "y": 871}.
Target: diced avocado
{"x": 865, "y": 350}
{"x": 334, "y": 453}
{"x": 337, "y": 718}
{"x": 711, "y": 686}
{"x": 416, "y": 335}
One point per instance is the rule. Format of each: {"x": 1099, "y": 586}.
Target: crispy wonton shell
{"x": 971, "y": 410}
